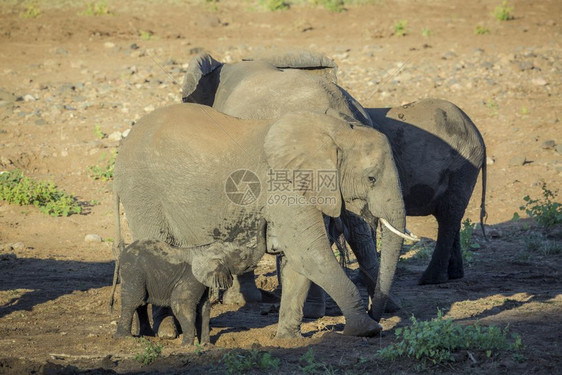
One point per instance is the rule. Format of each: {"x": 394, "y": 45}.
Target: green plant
{"x": 331, "y": 5}
{"x": 493, "y": 106}
{"x": 239, "y": 362}
{"x": 481, "y": 30}
{"x": 150, "y": 352}
{"x": 146, "y": 34}
{"x": 104, "y": 171}
{"x": 17, "y": 189}
{"x": 425, "y": 32}
{"x": 503, "y": 12}
{"x": 467, "y": 244}
{"x": 435, "y": 341}
{"x": 546, "y": 212}
{"x": 98, "y": 132}
{"x": 524, "y": 110}
{"x": 400, "y": 28}
{"x": 538, "y": 243}
{"x": 274, "y": 5}
{"x": 31, "y": 11}
{"x": 96, "y": 8}
{"x": 310, "y": 365}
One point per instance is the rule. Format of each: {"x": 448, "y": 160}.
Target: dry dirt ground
{"x": 65, "y": 73}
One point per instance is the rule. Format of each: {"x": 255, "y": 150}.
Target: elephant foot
{"x": 121, "y": 333}
{"x": 285, "y": 333}
{"x": 453, "y": 275}
{"x": 314, "y": 310}
{"x": 456, "y": 272}
{"x": 167, "y": 328}
{"x": 363, "y": 326}
{"x": 146, "y": 331}
{"x": 430, "y": 277}
{"x": 242, "y": 291}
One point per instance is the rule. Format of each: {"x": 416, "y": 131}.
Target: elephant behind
{"x": 439, "y": 153}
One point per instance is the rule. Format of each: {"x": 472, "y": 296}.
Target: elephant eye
{"x": 372, "y": 180}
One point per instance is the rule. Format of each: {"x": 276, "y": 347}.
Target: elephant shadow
{"x": 47, "y": 279}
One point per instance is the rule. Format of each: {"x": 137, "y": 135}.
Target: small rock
{"x": 494, "y": 233}
{"x": 126, "y": 133}
{"x": 18, "y": 246}
{"x": 29, "y": 98}
{"x": 539, "y": 82}
{"x": 490, "y": 161}
{"x": 518, "y": 160}
{"x": 548, "y": 145}
{"x": 115, "y": 136}
{"x": 149, "y": 108}
{"x": 93, "y": 238}
{"x": 525, "y": 65}
{"x": 109, "y": 44}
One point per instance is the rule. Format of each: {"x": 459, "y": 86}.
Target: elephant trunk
{"x": 390, "y": 253}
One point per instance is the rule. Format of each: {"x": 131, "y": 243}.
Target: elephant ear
{"x": 294, "y": 58}
{"x": 212, "y": 272}
{"x": 201, "y": 80}
{"x": 303, "y": 158}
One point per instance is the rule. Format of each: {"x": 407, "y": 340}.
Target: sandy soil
{"x": 64, "y": 73}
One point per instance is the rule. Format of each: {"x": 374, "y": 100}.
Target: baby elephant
{"x": 182, "y": 278}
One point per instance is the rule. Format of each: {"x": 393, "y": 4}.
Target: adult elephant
{"x": 268, "y": 85}
{"x": 439, "y": 153}
{"x": 170, "y": 175}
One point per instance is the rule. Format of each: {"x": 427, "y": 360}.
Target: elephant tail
{"x": 483, "y": 213}
{"x": 118, "y": 247}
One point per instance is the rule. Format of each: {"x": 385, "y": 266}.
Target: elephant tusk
{"x": 405, "y": 236}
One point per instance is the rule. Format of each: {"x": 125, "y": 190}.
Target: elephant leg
{"x": 203, "y": 319}
{"x": 437, "y": 270}
{"x": 315, "y": 304}
{"x": 446, "y": 261}
{"x": 295, "y": 288}
{"x": 144, "y": 324}
{"x": 184, "y": 301}
{"x": 165, "y": 324}
{"x": 456, "y": 269}
{"x": 131, "y": 299}
{"x": 243, "y": 290}
{"x": 186, "y": 317}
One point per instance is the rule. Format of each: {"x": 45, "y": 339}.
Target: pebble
{"x": 29, "y": 98}
{"x": 115, "y": 136}
{"x": 109, "y": 44}
{"x": 18, "y": 246}
{"x": 517, "y": 160}
{"x": 93, "y": 238}
{"x": 126, "y": 133}
{"x": 539, "y": 82}
{"x": 548, "y": 145}
{"x": 490, "y": 161}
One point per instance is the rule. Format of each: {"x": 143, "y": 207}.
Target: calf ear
{"x": 201, "y": 80}
{"x": 211, "y": 273}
